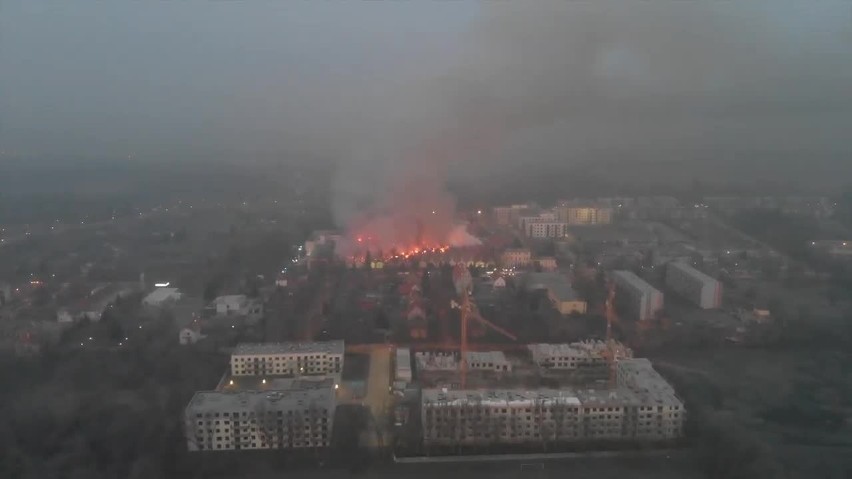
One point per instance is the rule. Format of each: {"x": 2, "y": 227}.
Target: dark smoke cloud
{"x": 540, "y": 82}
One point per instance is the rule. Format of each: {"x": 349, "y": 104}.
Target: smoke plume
{"x": 552, "y": 81}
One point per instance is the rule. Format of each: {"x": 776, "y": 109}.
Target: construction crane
{"x": 612, "y": 349}
{"x": 468, "y": 311}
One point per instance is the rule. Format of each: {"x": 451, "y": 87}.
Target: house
{"x": 499, "y": 282}
{"x": 415, "y": 313}
{"x": 230, "y": 304}
{"x": 237, "y": 305}
{"x": 189, "y": 336}
{"x": 162, "y": 297}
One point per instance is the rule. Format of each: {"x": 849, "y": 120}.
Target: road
{"x": 378, "y": 393}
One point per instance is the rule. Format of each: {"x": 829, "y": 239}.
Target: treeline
{"x": 102, "y": 413}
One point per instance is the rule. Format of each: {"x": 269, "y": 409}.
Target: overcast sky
{"x": 364, "y": 81}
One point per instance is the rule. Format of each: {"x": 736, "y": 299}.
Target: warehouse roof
{"x": 330, "y": 347}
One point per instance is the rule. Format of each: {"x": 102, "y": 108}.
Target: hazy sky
{"x": 361, "y": 82}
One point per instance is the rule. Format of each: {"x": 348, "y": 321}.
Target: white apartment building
{"x": 542, "y": 217}
{"x": 403, "y": 365}
{"x": 583, "y": 354}
{"x": 695, "y": 286}
{"x": 546, "y": 229}
{"x": 643, "y": 407}
{"x": 642, "y": 300}
{"x": 296, "y": 359}
{"x": 300, "y": 416}
{"x": 515, "y": 257}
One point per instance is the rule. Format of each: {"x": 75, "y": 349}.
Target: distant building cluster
{"x": 642, "y": 407}
{"x": 278, "y": 396}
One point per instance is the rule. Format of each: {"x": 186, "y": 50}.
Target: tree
{"x": 368, "y": 260}
{"x": 425, "y": 284}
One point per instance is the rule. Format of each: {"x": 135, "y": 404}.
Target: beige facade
{"x": 288, "y": 359}
{"x": 547, "y": 263}
{"x": 584, "y": 214}
{"x": 515, "y": 257}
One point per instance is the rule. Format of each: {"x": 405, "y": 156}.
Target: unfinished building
{"x": 287, "y": 359}
{"x": 298, "y": 416}
{"x": 642, "y": 407}
{"x": 579, "y": 355}
{"x": 476, "y": 361}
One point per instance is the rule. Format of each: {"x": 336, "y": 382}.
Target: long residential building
{"x": 515, "y": 257}
{"x": 293, "y": 359}
{"x": 583, "y": 354}
{"x": 640, "y": 299}
{"x": 298, "y": 416}
{"x": 642, "y": 407}
{"x": 546, "y": 229}
{"x": 693, "y": 285}
{"x": 583, "y": 213}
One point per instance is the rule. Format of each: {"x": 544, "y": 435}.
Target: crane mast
{"x": 468, "y": 310}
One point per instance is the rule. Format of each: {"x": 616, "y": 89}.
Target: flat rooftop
{"x": 256, "y": 383}
{"x": 507, "y": 397}
{"x": 588, "y": 348}
{"x": 646, "y": 382}
{"x": 329, "y": 347}
{"x": 690, "y": 271}
{"x": 160, "y": 295}
{"x": 635, "y": 282}
{"x": 496, "y": 357}
{"x": 319, "y": 395}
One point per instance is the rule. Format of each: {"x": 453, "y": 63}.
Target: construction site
{"x": 528, "y": 396}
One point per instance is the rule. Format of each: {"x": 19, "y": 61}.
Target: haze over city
{"x": 406, "y": 239}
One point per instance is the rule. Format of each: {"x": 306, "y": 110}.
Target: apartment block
{"x": 545, "y": 229}
{"x": 291, "y": 359}
{"x": 582, "y": 213}
{"x": 642, "y": 407}
{"x": 583, "y": 354}
{"x": 659, "y": 414}
{"x": 633, "y": 294}
{"x": 514, "y": 257}
{"x": 296, "y": 417}
{"x": 693, "y": 285}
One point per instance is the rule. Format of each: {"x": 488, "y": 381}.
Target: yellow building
{"x": 565, "y": 299}
{"x": 584, "y": 214}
